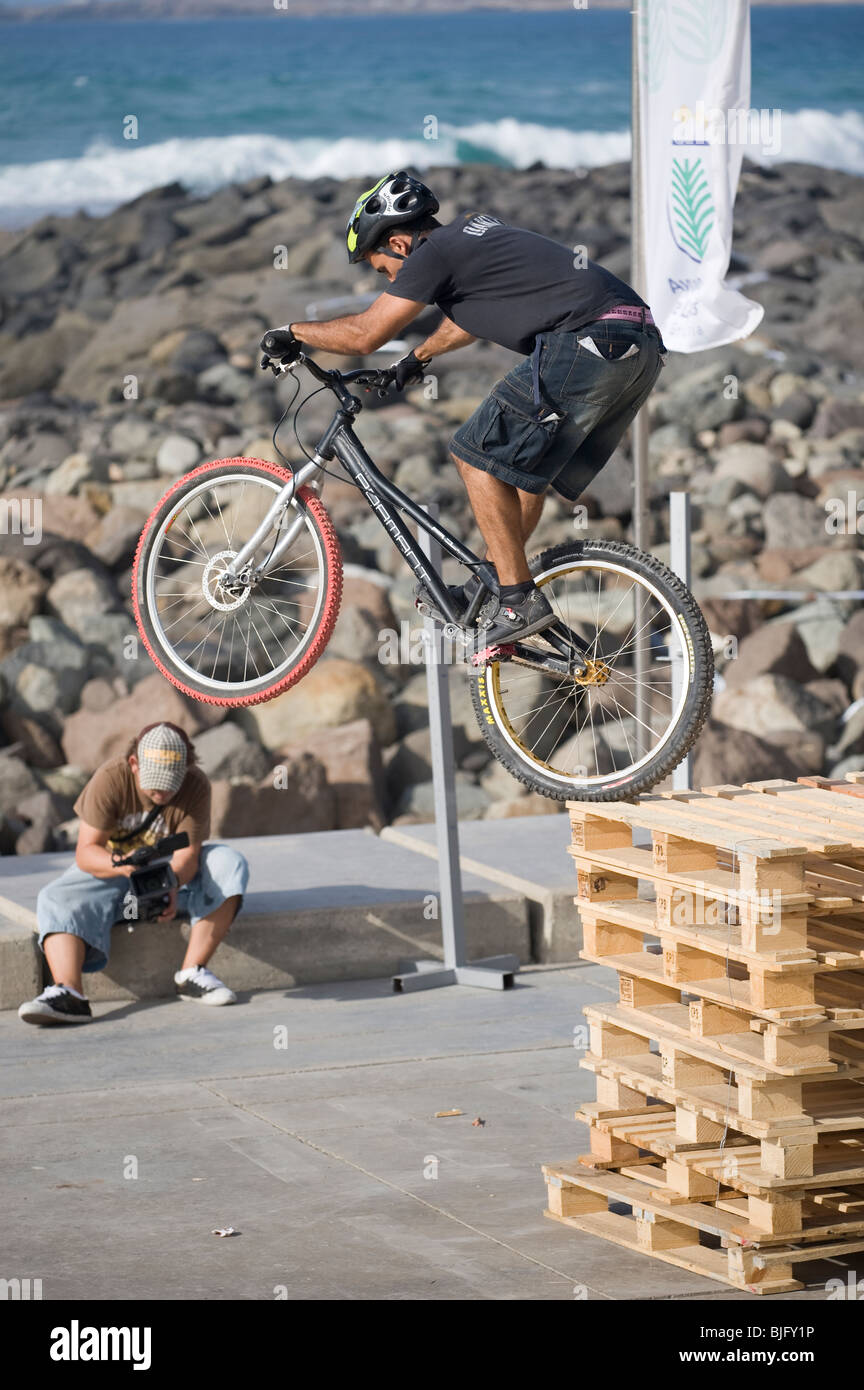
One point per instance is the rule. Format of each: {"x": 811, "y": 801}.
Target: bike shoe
{"x": 462, "y": 595}
{"x": 519, "y": 619}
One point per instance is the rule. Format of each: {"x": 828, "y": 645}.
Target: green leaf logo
{"x": 697, "y": 28}
{"x": 692, "y": 208}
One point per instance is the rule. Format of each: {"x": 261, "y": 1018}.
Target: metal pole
{"x": 679, "y": 562}
{"x": 495, "y": 972}
{"x": 639, "y": 428}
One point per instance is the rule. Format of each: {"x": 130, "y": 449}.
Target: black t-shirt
{"x": 506, "y": 284}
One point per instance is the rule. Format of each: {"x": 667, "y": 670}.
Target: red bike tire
{"x": 329, "y": 613}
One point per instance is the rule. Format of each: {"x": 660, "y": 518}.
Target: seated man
{"x": 133, "y": 800}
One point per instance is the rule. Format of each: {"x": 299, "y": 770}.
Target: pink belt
{"x": 635, "y": 312}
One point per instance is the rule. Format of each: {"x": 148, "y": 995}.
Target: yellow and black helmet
{"x": 395, "y": 199}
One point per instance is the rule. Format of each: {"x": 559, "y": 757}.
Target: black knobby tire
{"x": 693, "y": 714}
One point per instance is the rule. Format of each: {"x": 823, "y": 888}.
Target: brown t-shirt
{"x": 111, "y": 801}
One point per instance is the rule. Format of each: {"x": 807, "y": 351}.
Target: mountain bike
{"x": 237, "y": 582}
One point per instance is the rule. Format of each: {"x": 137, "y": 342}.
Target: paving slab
{"x": 329, "y": 905}
{"x": 306, "y": 1120}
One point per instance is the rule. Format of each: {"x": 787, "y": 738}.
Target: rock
{"x": 756, "y": 466}
{"x": 850, "y": 742}
{"x": 611, "y": 490}
{"x": 293, "y": 799}
{"x": 335, "y": 692}
{"x": 730, "y": 617}
{"x": 798, "y": 407}
{"x": 361, "y": 589}
{"x": 834, "y": 572}
{"x": 726, "y": 756}
{"x": 411, "y": 759}
{"x": 92, "y": 736}
{"x": 821, "y": 627}
{"x": 357, "y": 636}
{"x": 77, "y": 595}
{"x": 223, "y": 384}
{"x": 850, "y": 658}
{"x": 133, "y": 438}
{"x": 835, "y": 415}
{"x": 417, "y": 803}
{"x": 225, "y": 752}
{"x": 177, "y": 454}
{"x": 531, "y": 805}
{"x": 192, "y": 352}
{"x": 773, "y": 649}
{"x": 788, "y": 258}
{"x": 832, "y": 693}
{"x": 752, "y": 429}
{"x": 793, "y": 522}
{"x": 38, "y": 744}
{"x": 68, "y": 780}
{"x": 21, "y": 590}
{"x": 352, "y": 759}
{"x": 68, "y": 476}
{"x": 115, "y": 537}
{"x": 769, "y": 704}
{"x": 16, "y": 781}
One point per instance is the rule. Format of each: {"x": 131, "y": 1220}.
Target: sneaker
{"x": 519, "y": 619}
{"x": 462, "y": 595}
{"x": 201, "y": 984}
{"x": 56, "y": 1004}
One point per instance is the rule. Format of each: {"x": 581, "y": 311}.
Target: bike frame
{"x": 340, "y": 442}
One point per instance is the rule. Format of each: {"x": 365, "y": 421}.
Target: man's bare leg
{"x": 65, "y": 956}
{"x": 207, "y": 933}
{"x": 506, "y": 517}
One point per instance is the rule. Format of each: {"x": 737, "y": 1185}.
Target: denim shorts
{"x": 86, "y": 906}
{"x": 588, "y": 399}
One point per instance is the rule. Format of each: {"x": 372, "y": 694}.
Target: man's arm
{"x": 361, "y": 333}
{"x": 445, "y": 338}
{"x": 93, "y": 856}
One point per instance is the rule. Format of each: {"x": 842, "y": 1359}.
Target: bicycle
{"x": 239, "y": 568}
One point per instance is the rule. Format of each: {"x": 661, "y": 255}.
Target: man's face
{"x": 159, "y": 798}
{"x": 386, "y": 264}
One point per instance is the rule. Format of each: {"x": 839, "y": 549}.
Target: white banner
{"x": 694, "y": 98}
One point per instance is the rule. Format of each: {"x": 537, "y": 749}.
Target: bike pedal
{"x": 494, "y": 653}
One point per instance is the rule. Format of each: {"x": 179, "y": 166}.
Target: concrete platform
{"x": 527, "y": 855}
{"x": 305, "y": 1120}
{"x": 326, "y": 906}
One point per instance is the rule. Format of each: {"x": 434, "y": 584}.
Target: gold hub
{"x": 595, "y": 673}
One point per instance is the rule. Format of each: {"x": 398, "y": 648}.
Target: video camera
{"x": 151, "y": 885}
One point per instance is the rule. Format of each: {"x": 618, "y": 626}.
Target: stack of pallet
{"x": 727, "y": 1133}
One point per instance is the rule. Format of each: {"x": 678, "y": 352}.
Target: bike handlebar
{"x": 379, "y": 378}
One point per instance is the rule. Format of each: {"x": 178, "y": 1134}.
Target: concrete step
{"x": 336, "y": 905}
{"x": 525, "y": 854}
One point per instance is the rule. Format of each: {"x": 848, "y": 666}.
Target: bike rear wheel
{"x": 623, "y": 727}
{"x": 223, "y": 644}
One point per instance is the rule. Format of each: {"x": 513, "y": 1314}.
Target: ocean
{"x": 217, "y": 100}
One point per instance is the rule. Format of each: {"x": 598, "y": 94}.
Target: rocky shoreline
{"x": 128, "y": 354}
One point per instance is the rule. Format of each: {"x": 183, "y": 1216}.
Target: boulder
{"x": 21, "y": 590}
{"x": 773, "y": 649}
{"x": 821, "y": 627}
{"x": 225, "y": 752}
{"x": 77, "y": 595}
{"x": 835, "y": 415}
{"x": 792, "y": 522}
{"x": 756, "y": 466}
{"x": 293, "y": 799}
{"x": 850, "y": 657}
{"x": 417, "y": 803}
{"x": 177, "y": 454}
{"x": 92, "y": 736}
{"x": 335, "y": 692}
{"x": 726, "y": 756}
{"x": 16, "y": 781}
{"x": 767, "y": 704}
{"x": 38, "y": 745}
{"x": 352, "y": 759}
{"x": 114, "y": 539}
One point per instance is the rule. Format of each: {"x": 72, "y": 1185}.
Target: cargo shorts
{"x": 592, "y": 383}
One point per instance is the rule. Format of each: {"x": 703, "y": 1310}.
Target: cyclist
{"x": 591, "y": 355}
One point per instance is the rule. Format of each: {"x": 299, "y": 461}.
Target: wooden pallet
{"x": 711, "y": 1238}
{"x": 730, "y": 1072}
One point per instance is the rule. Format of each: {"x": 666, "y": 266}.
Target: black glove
{"x": 408, "y": 369}
{"x": 281, "y": 344}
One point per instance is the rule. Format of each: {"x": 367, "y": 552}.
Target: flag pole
{"x": 639, "y": 428}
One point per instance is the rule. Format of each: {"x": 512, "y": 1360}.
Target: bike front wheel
{"x": 217, "y": 641}
{"x": 637, "y": 709}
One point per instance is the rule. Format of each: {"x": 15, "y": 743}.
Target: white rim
{"x": 225, "y": 687}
